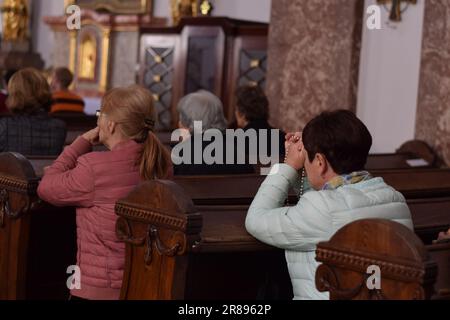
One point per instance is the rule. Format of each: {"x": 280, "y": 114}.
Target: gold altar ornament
{"x": 206, "y": 8}
{"x": 88, "y": 58}
{"x": 15, "y": 20}
{"x": 183, "y": 8}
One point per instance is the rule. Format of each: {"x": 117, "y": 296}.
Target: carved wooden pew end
{"x": 375, "y": 259}
{"x": 158, "y": 222}
{"x": 420, "y": 149}
{"x": 18, "y": 185}
{"x": 37, "y": 241}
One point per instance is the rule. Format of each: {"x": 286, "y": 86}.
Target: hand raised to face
{"x": 92, "y": 136}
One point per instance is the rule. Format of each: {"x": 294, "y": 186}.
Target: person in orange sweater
{"x": 63, "y": 99}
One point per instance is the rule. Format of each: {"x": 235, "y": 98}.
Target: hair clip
{"x": 149, "y": 124}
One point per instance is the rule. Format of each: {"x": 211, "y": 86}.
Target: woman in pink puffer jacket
{"x": 94, "y": 181}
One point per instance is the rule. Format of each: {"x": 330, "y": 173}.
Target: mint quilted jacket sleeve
{"x": 299, "y": 227}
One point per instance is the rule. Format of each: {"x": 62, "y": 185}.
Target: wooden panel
{"x": 217, "y": 44}
{"x": 240, "y": 68}
{"x": 202, "y": 47}
{"x": 236, "y": 238}
{"x": 159, "y": 54}
{"x": 440, "y": 253}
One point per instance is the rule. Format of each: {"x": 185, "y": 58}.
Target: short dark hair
{"x": 8, "y": 75}
{"x": 341, "y": 137}
{"x": 252, "y": 103}
{"x": 64, "y": 76}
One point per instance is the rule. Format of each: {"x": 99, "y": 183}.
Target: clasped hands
{"x": 295, "y": 151}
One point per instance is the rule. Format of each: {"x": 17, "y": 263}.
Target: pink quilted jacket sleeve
{"x": 69, "y": 181}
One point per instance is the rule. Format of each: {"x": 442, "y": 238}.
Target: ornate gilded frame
{"x": 105, "y": 47}
{"x": 118, "y": 6}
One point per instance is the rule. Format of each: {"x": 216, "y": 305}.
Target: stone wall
{"x": 433, "y": 109}
{"x": 314, "y": 49}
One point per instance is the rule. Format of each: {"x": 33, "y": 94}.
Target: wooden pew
{"x": 388, "y": 161}
{"x": 418, "y": 185}
{"x": 35, "y": 247}
{"x": 407, "y": 269}
{"x": 75, "y": 120}
{"x": 37, "y": 241}
{"x": 430, "y": 216}
{"x": 220, "y": 201}
{"x": 174, "y": 252}
{"x": 39, "y": 163}
{"x": 220, "y": 197}
{"x": 427, "y": 192}
{"x": 440, "y": 253}
{"x": 413, "y": 184}
{"x": 410, "y": 150}
{"x": 166, "y": 237}
{"x": 76, "y": 123}
{"x": 17, "y": 196}
{"x": 421, "y": 150}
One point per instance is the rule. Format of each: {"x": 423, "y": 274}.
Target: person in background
{"x": 205, "y": 107}
{"x": 4, "y": 91}
{"x": 63, "y": 99}
{"x": 252, "y": 112}
{"x": 94, "y": 181}
{"x": 443, "y": 237}
{"x": 332, "y": 150}
{"x": 28, "y": 129}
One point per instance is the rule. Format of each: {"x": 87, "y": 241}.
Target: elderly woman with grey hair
{"x": 198, "y": 112}
{"x": 201, "y": 106}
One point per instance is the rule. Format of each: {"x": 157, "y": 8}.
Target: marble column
{"x": 314, "y": 49}
{"x": 433, "y": 109}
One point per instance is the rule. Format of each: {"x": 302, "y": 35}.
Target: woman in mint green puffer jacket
{"x": 332, "y": 150}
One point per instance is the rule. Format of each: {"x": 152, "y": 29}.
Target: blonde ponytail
{"x": 154, "y": 161}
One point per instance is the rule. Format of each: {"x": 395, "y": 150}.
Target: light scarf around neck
{"x": 347, "y": 179}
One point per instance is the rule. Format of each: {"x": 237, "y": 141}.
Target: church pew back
{"x": 391, "y": 161}
{"x": 431, "y": 212}
{"x": 430, "y": 216}
{"x": 405, "y": 269}
{"x": 222, "y": 190}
